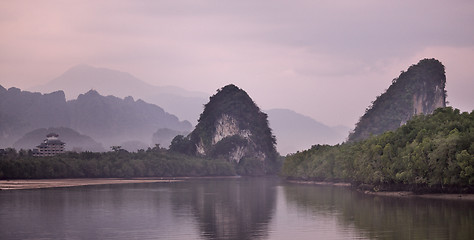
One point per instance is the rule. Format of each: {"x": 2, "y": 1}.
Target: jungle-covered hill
{"x": 419, "y": 90}
{"x": 429, "y": 153}
{"x": 233, "y": 128}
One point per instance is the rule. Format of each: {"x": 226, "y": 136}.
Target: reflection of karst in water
{"x": 226, "y": 210}
{"x": 392, "y": 216}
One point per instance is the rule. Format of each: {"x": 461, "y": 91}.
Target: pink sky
{"x": 324, "y": 59}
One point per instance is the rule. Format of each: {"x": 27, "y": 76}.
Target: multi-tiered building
{"x": 50, "y": 146}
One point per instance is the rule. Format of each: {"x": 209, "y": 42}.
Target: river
{"x": 243, "y": 208}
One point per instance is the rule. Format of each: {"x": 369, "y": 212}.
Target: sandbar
{"x": 340, "y": 184}
{"x": 73, "y": 182}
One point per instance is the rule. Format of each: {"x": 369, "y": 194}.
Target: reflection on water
{"x": 246, "y": 208}
{"x": 376, "y": 217}
{"x": 132, "y": 211}
{"x": 230, "y": 209}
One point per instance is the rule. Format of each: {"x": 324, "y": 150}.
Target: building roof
{"x": 49, "y": 143}
{"x": 52, "y": 135}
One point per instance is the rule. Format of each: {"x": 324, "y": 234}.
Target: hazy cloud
{"x": 325, "y": 59}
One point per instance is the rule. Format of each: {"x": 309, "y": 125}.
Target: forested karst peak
{"x": 234, "y": 128}
{"x": 419, "y": 90}
{"x": 232, "y": 101}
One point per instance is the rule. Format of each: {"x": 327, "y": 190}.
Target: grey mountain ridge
{"x": 293, "y": 130}
{"x": 107, "y": 119}
{"x": 186, "y": 105}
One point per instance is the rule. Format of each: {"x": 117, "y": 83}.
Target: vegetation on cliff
{"x": 419, "y": 90}
{"x": 430, "y": 153}
{"x": 233, "y": 128}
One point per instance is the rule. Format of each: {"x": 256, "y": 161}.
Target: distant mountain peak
{"x": 84, "y": 66}
{"x": 80, "y": 67}
{"x": 81, "y": 78}
{"x": 90, "y": 93}
{"x": 129, "y": 99}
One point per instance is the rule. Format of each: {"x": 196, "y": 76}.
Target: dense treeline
{"x": 429, "y": 153}
{"x": 154, "y": 162}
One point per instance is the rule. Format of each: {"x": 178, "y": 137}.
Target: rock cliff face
{"x": 232, "y": 127}
{"x": 227, "y": 126}
{"x": 425, "y": 102}
{"x": 419, "y": 90}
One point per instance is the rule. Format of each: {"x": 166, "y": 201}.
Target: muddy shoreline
{"x": 19, "y": 184}
{"x": 401, "y": 194}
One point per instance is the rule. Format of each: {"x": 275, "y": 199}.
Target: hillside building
{"x": 50, "y": 146}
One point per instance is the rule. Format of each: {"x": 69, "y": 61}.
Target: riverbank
{"x": 73, "y": 182}
{"x": 406, "y": 194}
{"x": 18, "y": 184}
{"x": 403, "y": 194}
{"x": 341, "y": 184}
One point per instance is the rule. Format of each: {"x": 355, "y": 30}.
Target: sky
{"x": 324, "y": 59}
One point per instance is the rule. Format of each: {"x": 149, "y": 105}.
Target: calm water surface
{"x": 245, "y": 208}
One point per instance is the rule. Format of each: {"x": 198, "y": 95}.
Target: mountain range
{"x": 107, "y": 119}
{"x": 293, "y": 131}
{"x": 186, "y": 105}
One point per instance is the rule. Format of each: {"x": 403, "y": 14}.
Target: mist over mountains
{"x": 293, "y": 130}
{"x": 186, "y": 105}
{"x": 107, "y": 119}
{"x": 296, "y": 132}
